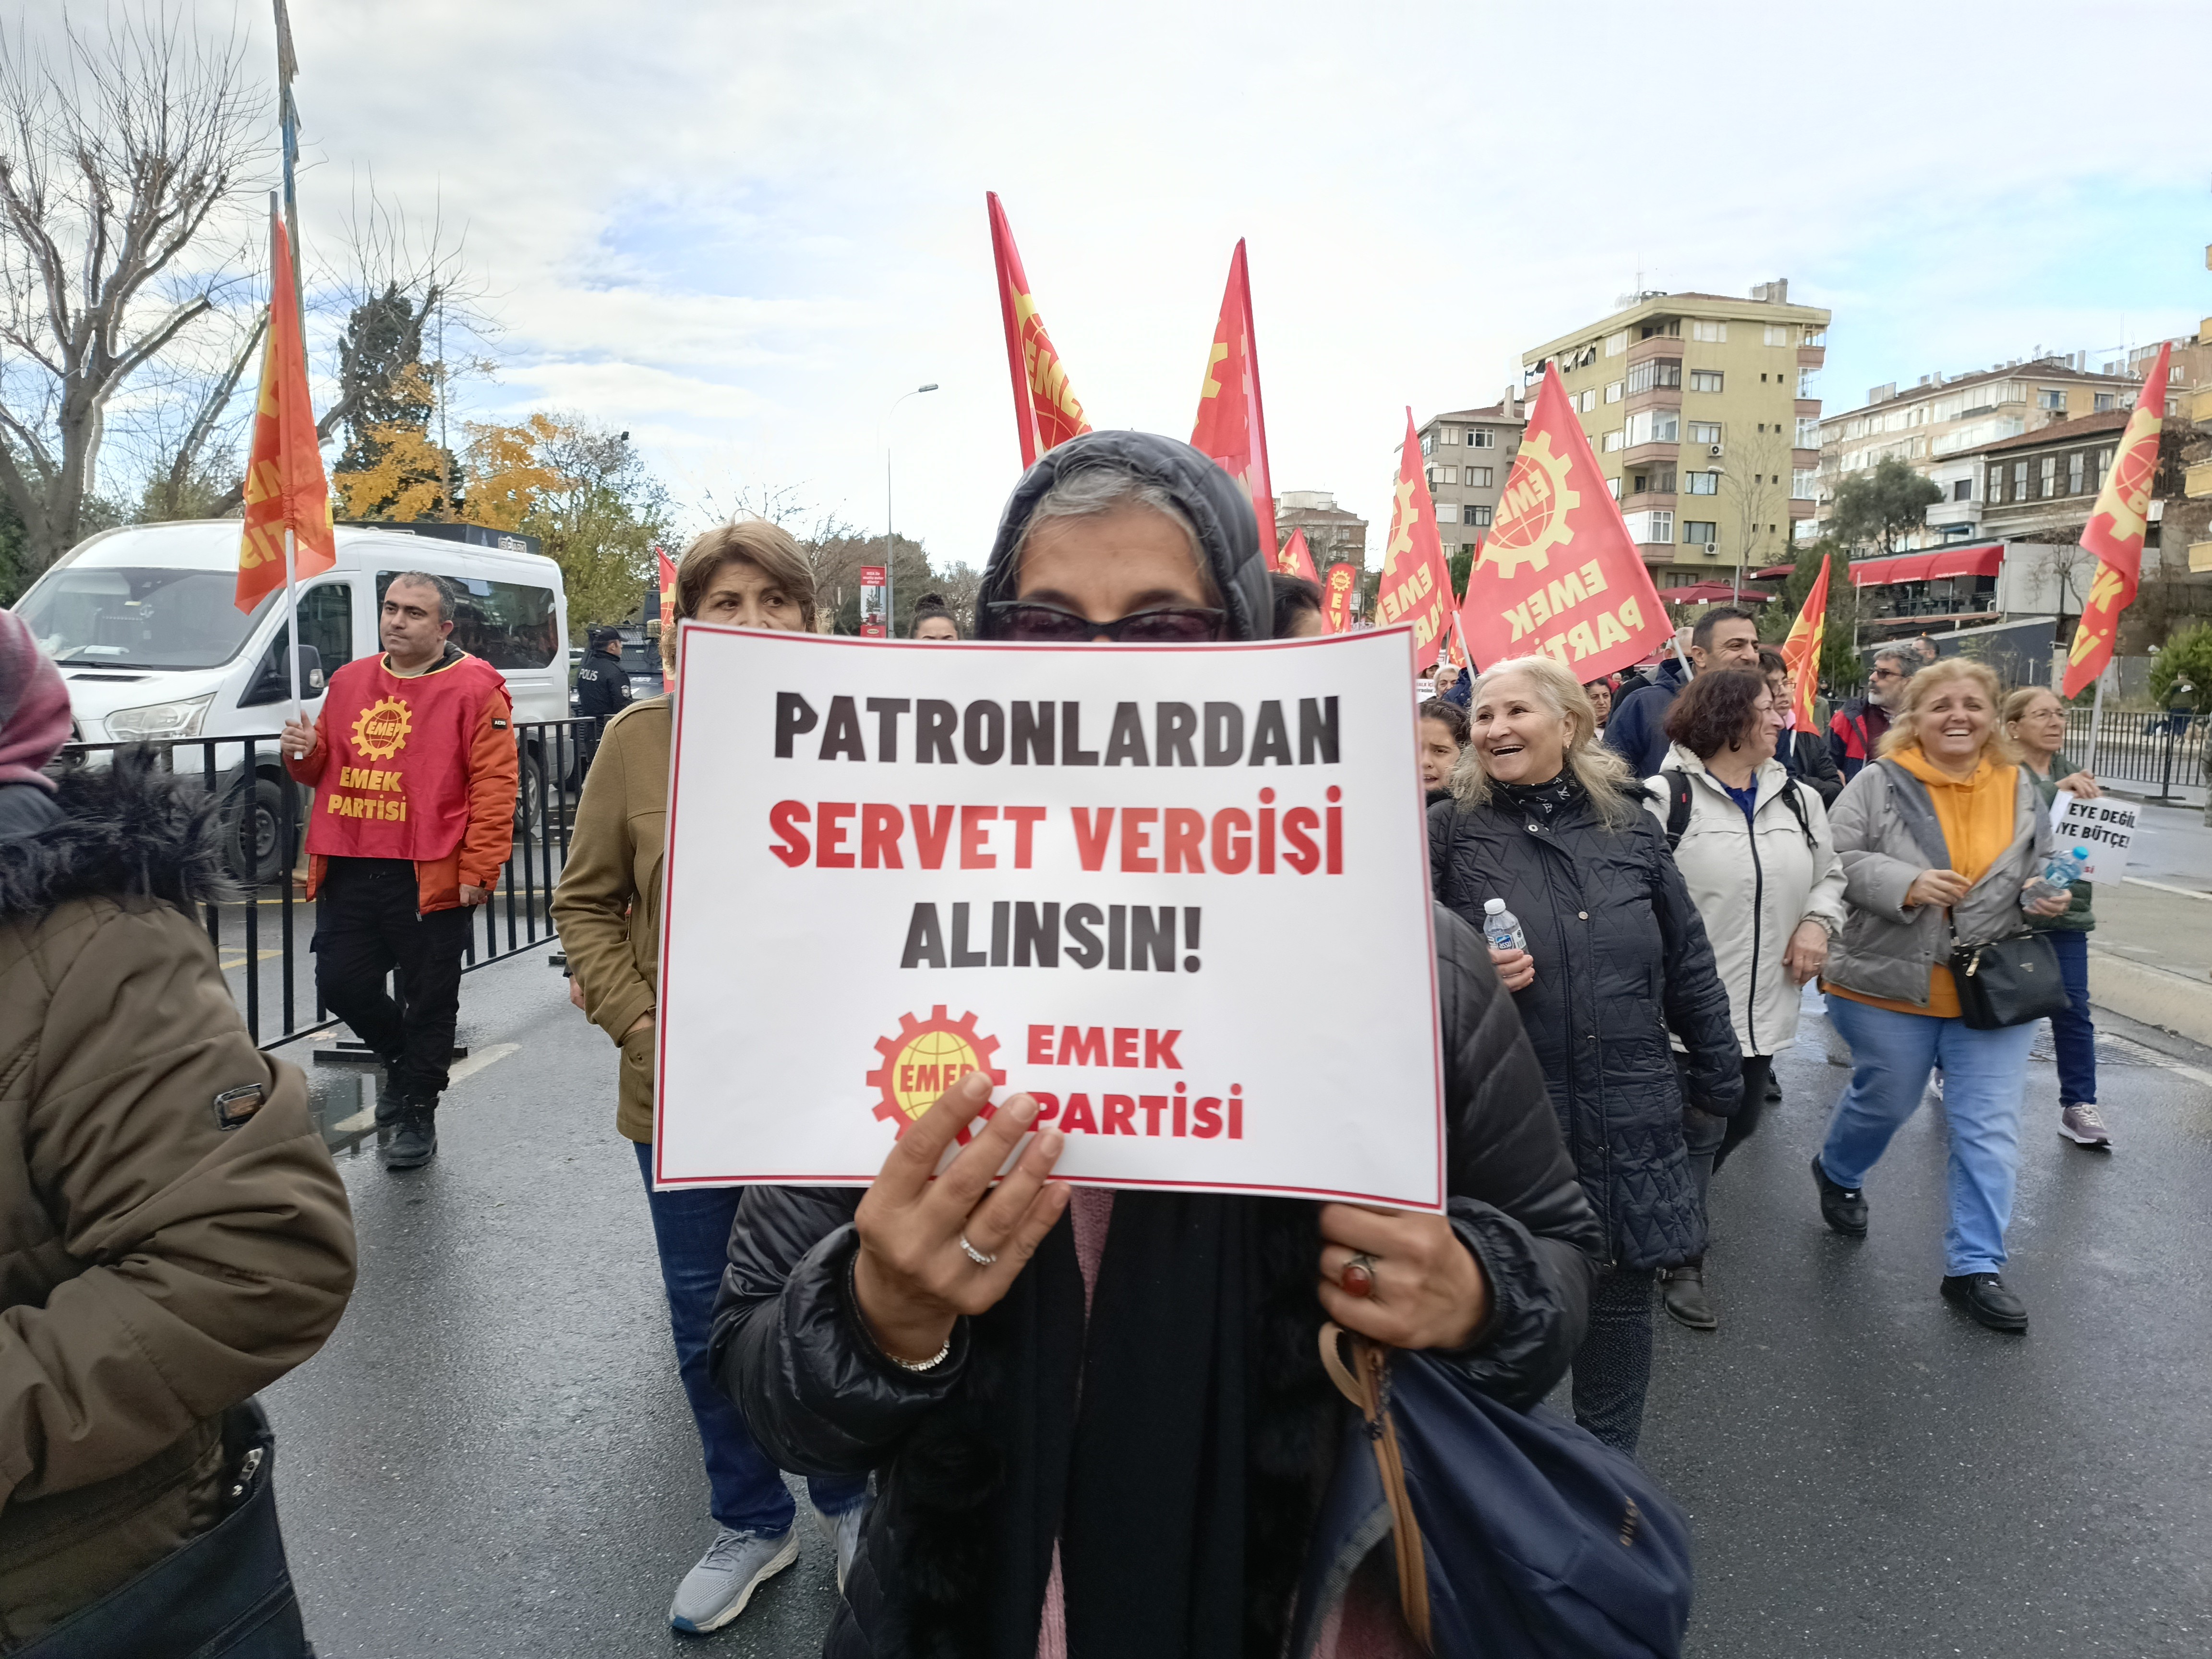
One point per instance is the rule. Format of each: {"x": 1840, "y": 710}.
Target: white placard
{"x": 1178, "y": 893}
{"x": 2106, "y": 826}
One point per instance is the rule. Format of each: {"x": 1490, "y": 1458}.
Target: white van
{"x": 142, "y": 623}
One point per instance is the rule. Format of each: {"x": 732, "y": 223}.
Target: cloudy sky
{"x": 741, "y": 229}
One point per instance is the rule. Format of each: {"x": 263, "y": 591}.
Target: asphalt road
{"x": 492, "y": 1455}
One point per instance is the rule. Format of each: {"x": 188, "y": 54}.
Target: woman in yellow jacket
{"x": 608, "y": 910}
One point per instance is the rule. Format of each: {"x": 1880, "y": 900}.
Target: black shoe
{"x": 1773, "y": 1090}
{"x": 1684, "y": 1292}
{"x": 417, "y": 1142}
{"x": 1984, "y": 1297}
{"x": 1842, "y": 1208}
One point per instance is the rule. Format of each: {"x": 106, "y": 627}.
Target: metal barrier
{"x": 263, "y": 813}
{"x": 2165, "y": 749}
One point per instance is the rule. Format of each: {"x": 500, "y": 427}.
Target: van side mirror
{"x": 311, "y": 670}
{"x": 270, "y": 685}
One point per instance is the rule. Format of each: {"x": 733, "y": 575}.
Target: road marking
{"x": 478, "y": 1059}
{"x": 2150, "y": 1056}
{"x": 2165, "y": 887}
{"x": 239, "y": 961}
{"x": 365, "y": 1119}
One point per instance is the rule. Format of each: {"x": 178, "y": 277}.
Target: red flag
{"x": 1046, "y": 411}
{"x": 1296, "y": 558}
{"x": 1336, "y": 597}
{"x": 1559, "y": 574}
{"x": 285, "y": 488}
{"x": 1231, "y": 426}
{"x": 2115, "y": 533}
{"x": 1802, "y": 650}
{"x": 665, "y": 568}
{"x": 1416, "y": 581}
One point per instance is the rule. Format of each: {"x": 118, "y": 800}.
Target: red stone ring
{"x": 1357, "y": 1277}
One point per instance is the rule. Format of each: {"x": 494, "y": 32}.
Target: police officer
{"x": 602, "y": 683}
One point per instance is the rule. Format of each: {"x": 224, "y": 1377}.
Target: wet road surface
{"x": 493, "y": 1456}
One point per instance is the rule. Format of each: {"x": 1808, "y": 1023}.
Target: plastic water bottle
{"x": 2062, "y": 872}
{"x": 1502, "y": 928}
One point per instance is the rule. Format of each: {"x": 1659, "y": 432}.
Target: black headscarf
{"x": 1169, "y": 1442}
{"x": 1228, "y": 535}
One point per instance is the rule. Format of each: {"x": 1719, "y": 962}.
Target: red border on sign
{"x": 669, "y": 911}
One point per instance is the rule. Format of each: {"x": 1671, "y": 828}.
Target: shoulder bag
{"x": 2008, "y": 982}
{"x": 1518, "y": 1536}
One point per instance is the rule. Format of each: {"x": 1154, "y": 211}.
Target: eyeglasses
{"x": 1885, "y": 674}
{"x": 1048, "y": 624}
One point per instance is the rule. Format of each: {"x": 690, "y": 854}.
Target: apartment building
{"x": 1932, "y": 426}
{"x": 1469, "y": 451}
{"x": 1702, "y": 411}
{"x": 1334, "y": 536}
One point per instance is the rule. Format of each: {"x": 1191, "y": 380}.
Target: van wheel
{"x": 529, "y": 800}
{"x": 252, "y": 833}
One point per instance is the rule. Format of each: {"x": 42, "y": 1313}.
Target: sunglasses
{"x": 1048, "y": 624}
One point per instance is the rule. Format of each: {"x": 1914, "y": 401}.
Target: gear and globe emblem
{"x": 927, "y": 1057}
{"x": 1532, "y": 514}
{"x": 381, "y": 729}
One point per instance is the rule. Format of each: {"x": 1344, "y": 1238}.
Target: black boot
{"x": 1983, "y": 1297}
{"x": 1844, "y": 1208}
{"x": 1684, "y": 1291}
{"x": 416, "y": 1142}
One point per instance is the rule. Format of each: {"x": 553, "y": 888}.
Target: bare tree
{"x": 1752, "y": 484}
{"x": 122, "y": 163}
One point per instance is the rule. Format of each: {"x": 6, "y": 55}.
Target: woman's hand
{"x": 912, "y": 1278}
{"x": 1428, "y": 1290}
{"x": 1937, "y": 887}
{"x": 2052, "y": 904}
{"x": 2081, "y": 786}
{"x": 1808, "y": 952}
{"x": 1517, "y": 969}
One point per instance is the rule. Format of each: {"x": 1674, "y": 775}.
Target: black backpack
{"x": 1679, "y": 807}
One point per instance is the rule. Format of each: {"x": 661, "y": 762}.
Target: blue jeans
{"x": 691, "y": 1225}
{"x": 1984, "y": 1074}
{"x": 2073, "y": 1035}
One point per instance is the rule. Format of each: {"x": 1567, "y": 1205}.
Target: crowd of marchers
{"x": 1035, "y": 1418}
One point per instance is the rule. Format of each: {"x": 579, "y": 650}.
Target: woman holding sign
{"x": 1547, "y": 818}
{"x": 2036, "y": 720}
{"x": 1099, "y": 1417}
{"x": 607, "y": 908}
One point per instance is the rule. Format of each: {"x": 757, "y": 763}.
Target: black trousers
{"x": 365, "y": 927}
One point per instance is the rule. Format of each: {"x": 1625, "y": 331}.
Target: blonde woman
{"x": 1548, "y": 819}
{"x": 1947, "y": 779}
{"x": 2036, "y": 720}
{"x": 608, "y": 910}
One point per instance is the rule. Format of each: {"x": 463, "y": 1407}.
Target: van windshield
{"x": 137, "y": 618}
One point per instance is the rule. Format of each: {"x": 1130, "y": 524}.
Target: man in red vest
{"x": 413, "y": 763}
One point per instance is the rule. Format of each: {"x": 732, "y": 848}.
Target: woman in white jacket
{"x": 1753, "y": 848}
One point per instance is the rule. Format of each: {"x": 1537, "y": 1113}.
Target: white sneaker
{"x": 843, "y": 1531}
{"x": 735, "y": 1566}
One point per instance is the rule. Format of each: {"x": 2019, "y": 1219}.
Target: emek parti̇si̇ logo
{"x": 927, "y": 1057}
{"x": 381, "y": 730}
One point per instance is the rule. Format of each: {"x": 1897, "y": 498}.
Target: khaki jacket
{"x": 156, "y": 1266}
{"x": 607, "y": 907}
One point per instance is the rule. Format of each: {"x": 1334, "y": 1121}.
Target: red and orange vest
{"x": 396, "y": 782}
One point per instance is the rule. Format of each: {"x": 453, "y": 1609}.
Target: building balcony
{"x": 1659, "y": 345}
{"x": 1805, "y": 460}
{"x": 1648, "y": 498}
{"x": 1812, "y": 356}
{"x": 2200, "y": 406}
{"x": 2198, "y": 481}
{"x": 1802, "y": 508}
{"x": 1941, "y": 514}
{"x": 1807, "y": 406}
{"x": 2200, "y": 558}
{"x": 1660, "y": 454}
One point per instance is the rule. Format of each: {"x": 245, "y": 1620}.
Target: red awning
{"x": 1774, "y": 572}
{"x": 1906, "y": 568}
{"x": 1705, "y": 594}
{"x": 1967, "y": 561}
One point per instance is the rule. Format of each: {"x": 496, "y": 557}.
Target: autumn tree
{"x": 1840, "y": 664}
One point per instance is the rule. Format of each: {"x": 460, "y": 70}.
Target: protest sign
{"x": 873, "y": 609}
{"x": 2106, "y": 826}
{"x": 1192, "y": 920}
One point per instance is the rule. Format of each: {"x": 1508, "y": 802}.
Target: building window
{"x": 1808, "y": 432}
{"x": 2103, "y": 402}
{"x": 1698, "y": 532}
{"x": 1778, "y": 334}
{"x": 1448, "y": 435}
{"x": 1996, "y": 484}
{"x": 1655, "y": 525}
{"x": 2077, "y": 467}
{"x": 1962, "y": 490}
{"x": 1805, "y": 382}
{"x": 1612, "y": 441}
{"x": 1654, "y": 426}
{"x": 2104, "y": 460}
{"x": 2049, "y": 475}
{"x": 1705, "y": 379}
{"x": 1479, "y": 476}
{"x": 1656, "y": 481}
{"x": 1612, "y": 391}
{"x": 1802, "y": 485}
{"x": 1701, "y": 483}
{"x": 2020, "y": 481}
{"x": 1616, "y": 344}
{"x": 1428, "y": 443}
{"x": 2051, "y": 397}
{"x": 1614, "y": 485}
{"x": 1478, "y": 516}
{"x": 1587, "y": 402}
{"x": 1482, "y": 438}
{"x": 1711, "y": 333}
{"x": 1660, "y": 372}
{"x": 1704, "y": 432}
{"x": 1452, "y": 474}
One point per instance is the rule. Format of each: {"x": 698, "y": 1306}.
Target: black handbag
{"x": 226, "y": 1592}
{"x": 2008, "y": 982}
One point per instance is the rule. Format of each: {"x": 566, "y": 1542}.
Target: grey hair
{"x": 1902, "y": 656}
{"x": 1603, "y": 774}
{"x": 1091, "y": 492}
{"x": 448, "y": 607}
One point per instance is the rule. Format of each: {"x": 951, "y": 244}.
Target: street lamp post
{"x": 891, "y": 593}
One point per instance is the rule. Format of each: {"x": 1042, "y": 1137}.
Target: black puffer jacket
{"x": 1621, "y": 956}
{"x": 789, "y": 1346}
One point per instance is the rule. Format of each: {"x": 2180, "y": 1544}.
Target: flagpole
{"x": 2096, "y": 718}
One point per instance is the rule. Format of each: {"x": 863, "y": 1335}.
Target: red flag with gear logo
{"x": 2115, "y": 533}
{"x": 1297, "y": 559}
{"x": 1336, "y": 597}
{"x": 1046, "y": 411}
{"x": 1560, "y": 573}
{"x": 1802, "y": 650}
{"x": 285, "y": 488}
{"x": 1416, "y": 586}
{"x": 1232, "y": 426}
